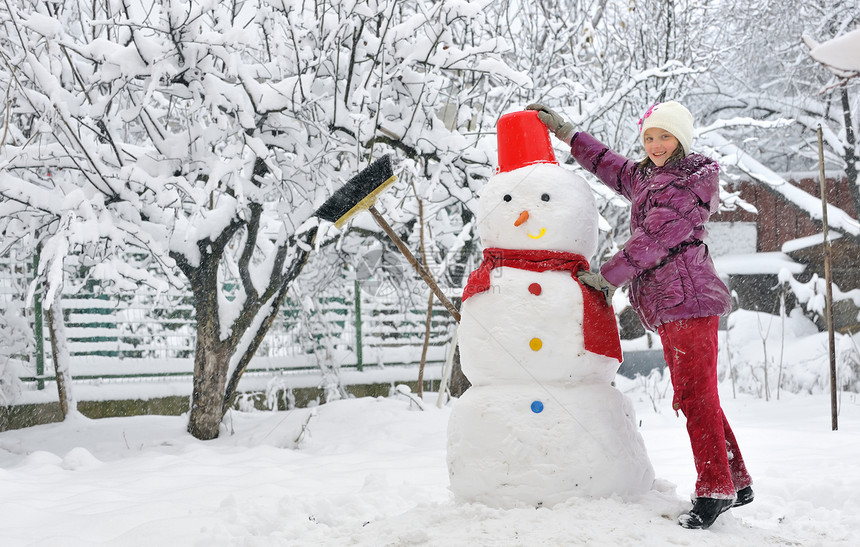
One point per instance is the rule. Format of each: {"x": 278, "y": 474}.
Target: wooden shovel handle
{"x": 425, "y": 275}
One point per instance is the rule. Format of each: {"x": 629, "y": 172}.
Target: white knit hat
{"x": 674, "y": 118}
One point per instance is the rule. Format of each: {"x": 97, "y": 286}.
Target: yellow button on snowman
{"x": 542, "y": 422}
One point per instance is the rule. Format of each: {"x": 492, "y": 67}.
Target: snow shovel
{"x": 359, "y": 194}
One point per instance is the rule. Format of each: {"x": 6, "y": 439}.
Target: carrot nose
{"x": 524, "y": 216}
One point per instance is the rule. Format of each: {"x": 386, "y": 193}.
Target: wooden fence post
{"x": 38, "y": 326}
{"x": 358, "y": 342}
{"x": 834, "y": 420}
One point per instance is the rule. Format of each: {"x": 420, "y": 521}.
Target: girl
{"x": 673, "y": 285}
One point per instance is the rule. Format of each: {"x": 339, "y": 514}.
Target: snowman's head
{"x": 538, "y": 207}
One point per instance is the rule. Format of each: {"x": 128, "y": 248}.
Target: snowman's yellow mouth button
{"x": 540, "y": 235}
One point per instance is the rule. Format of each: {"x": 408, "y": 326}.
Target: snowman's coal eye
{"x": 545, "y": 197}
{"x": 507, "y": 197}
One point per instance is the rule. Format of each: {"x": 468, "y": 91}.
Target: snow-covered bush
{"x": 765, "y": 354}
{"x": 279, "y": 393}
{"x": 16, "y": 345}
{"x": 848, "y": 362}
{"x": 812, "y": 294}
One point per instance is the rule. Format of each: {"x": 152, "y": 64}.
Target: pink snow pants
{"x": 690, "y": 349}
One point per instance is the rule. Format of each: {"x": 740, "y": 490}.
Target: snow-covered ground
{"x": 372, "y": 472}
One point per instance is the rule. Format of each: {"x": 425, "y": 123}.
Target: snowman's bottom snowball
{"x": 583, "y": 442}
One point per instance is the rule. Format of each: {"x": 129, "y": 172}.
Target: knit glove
{"x": 554, "y": 122}
{"x": 595, "y": 280}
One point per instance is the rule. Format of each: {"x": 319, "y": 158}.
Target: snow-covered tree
{"x": 769, "y": 75}
{"x": 143, "y": 126}
{"x": 841, "y": 56}
{"x": 189, "y": 142}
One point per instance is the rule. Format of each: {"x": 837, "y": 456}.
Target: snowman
{"x": 542, "y": 421}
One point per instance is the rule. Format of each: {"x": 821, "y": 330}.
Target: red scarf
{"x": 598, "y": 326}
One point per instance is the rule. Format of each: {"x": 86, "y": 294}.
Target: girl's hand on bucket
{"x": 554, "y": 122}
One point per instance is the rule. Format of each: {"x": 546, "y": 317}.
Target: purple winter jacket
{"x": 665, "y": 261}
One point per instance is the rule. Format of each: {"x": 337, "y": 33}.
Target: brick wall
{"x": 778, "y": 220}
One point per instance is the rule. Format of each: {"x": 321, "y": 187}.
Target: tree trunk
{"x": 211, "y": 356}
{"x": 282, "y": 284}
{"x": 851, "y": 156}
{"x": 211, "y": 394}
{"x": 245, "y": 360}
{"x": 427, "y": 326}
{"x": 210, "y": 377}
{"x": 429, "y": 322}
{"x": 60, "y": 356}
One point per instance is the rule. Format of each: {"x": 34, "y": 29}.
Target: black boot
{"x": 704, "y": 512}
{"x": 745, "y": 496}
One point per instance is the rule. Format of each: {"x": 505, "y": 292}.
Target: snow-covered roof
{"x": 756, "y": 263}
{"x": 810, "y": 241}
{"x": 731, "y": 154}
{"x": 841, "y": 55}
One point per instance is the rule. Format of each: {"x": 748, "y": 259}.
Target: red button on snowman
{"x": 542, "y": 422}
